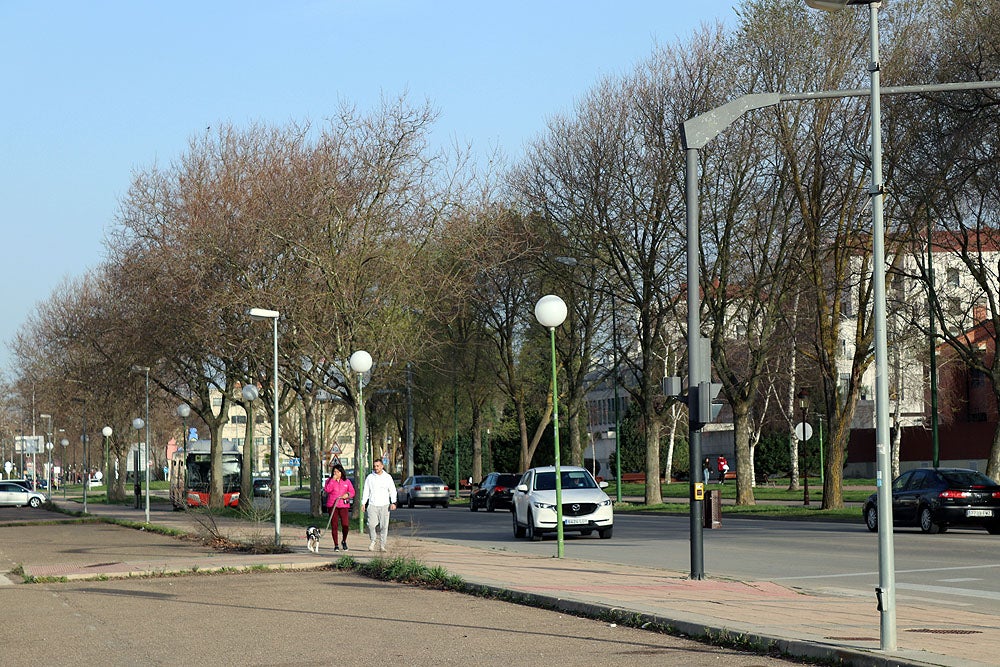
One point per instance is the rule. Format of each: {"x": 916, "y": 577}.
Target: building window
{"x": 953, "y": 277}
{"x": 237, "y": 419}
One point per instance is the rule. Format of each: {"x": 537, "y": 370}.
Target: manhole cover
{"x": 936, "y": 631}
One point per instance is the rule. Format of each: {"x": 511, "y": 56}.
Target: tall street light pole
{"x": 65, "y": 443}
{"x": 106, "y": 432}
{"x": 550, "y": 311}
{"x": 273, "y": 315}
{"x": 361, "y": 363}
{"x": 138, "y": 423}
{"x": 145, "y": 370}
{"x": 48, "y": 439}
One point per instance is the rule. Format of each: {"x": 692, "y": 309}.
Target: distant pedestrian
{"x": 377, "y": 498}
{"x": 339, "y": 498}
{"x": 706, "y": 470}
{"x": 723, "y": 469}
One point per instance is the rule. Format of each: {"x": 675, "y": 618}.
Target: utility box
{"x": 712, "y": 510}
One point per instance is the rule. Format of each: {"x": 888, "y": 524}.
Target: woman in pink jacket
{"x": 339, "y": 498}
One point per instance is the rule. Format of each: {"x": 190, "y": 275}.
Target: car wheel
{"x": 35, "y": 502}
{"x": 606, "y": 533}
{"x": 445, "y": 504}
{"x": 518, "y": 529}
{"x": 533, "y": 534}
{"x": 409, "y": 502}
{"x": 871, "y": 519}
{"x": 490, "y": 505}
{"x": 927, "y": 522}
{"x": 472, "y": 504}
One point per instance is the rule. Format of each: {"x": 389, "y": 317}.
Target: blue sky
{"x": 95, "y": 90}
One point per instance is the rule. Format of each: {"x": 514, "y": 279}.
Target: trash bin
{"x": 712, "y": 511}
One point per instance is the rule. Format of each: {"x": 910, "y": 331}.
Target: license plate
{"x": 978, "y": 512}
{"x": 573, "y": 521}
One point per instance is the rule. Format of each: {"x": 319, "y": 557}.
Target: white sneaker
{"x": 371, "y": 547}
{"x": 381, "y": 547}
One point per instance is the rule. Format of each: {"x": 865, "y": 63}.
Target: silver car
{"x": 18, "y": 496}
{"x": 423, "y": 490}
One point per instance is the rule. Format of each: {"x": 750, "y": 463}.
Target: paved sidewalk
{"x": 799, "y": 623}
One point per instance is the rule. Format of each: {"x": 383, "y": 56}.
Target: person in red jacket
{"x": 339, "y": 497}
{"x": 723, "y": 469}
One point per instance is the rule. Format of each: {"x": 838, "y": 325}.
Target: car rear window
{"x": 428, "y": 480}
{"x": 508, "y": 480}
{"x": 968, "y": 478}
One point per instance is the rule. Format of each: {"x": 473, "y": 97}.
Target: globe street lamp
{"x": 48, "y": 474}
{"x": 803, "y": 436}
{"x": 138, "y": 423}
{"x": 65, "y": 443}
{"x": 145, "y": 369}
{"x": 550, "y": 311}
{"x": 361, "y": 363}
{"x": 48, "y": 434}
{"x": 250, "y": 394}
{"x": 106, "y": 432}
{"x": 257, "y": 314}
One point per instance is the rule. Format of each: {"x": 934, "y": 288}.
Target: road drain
{"x": 934, "y": 631}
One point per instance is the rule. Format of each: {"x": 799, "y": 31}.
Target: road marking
{"x": 946, "y": 590}
{"x": 960, "y": 579}
{"x": 898, "y": 572}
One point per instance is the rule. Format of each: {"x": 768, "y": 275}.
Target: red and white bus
{"x": 191, "y": 474}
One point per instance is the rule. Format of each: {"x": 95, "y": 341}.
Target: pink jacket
{"x": 335, "y": 489}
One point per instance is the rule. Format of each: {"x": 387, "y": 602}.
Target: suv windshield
{"x": 573, "y": 479}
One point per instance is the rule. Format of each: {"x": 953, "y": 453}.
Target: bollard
{"x": 713, "y": 509}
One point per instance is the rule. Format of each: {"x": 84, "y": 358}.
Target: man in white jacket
{"x": 378, "y": 497}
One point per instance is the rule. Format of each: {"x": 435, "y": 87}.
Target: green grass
{"x": 778, "y": 492}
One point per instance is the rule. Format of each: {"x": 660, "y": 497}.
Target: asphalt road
{"x": 958, "y": 568}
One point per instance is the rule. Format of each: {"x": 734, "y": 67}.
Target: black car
{"x": 261, "y": 487}
{"x": 936, "y": 498}
{"x": 494, "y": 491}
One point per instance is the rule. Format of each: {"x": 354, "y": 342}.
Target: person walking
{"x": 723, "y": 469}
{"x": 339, "y": 498}
{"x": 377, "y": 498}
{"x": 706, "y": 470}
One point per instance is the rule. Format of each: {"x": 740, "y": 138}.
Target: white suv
{"x": 586, "y": 507}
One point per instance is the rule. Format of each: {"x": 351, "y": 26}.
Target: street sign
{"x": 803, "y": 431}
{"x": 295, "y": 462}
{"x": 335, "y": 449}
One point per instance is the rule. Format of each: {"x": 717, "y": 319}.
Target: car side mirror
{"x": 523, "y": 488}
{"x": 602, "y": 484}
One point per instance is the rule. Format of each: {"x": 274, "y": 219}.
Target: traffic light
{"x": 707, "y": 410}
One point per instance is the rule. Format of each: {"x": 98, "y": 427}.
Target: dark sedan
{"x": 936, "y": 498}
{"x": 494, "y": 491}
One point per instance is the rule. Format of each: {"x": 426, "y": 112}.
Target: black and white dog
{"x": 312, "y": 535}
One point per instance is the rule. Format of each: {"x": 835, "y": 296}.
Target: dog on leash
{"x": 312, "y": 535}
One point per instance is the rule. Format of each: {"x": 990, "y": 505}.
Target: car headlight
{"x": 543, "y": 506}
{"x": 607, "y": 503}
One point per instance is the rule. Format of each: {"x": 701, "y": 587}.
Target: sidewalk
{"x": 798, "y": 623}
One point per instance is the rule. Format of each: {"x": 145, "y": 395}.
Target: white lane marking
{"x": 946, "y": 590}
{"x": 958, "y": 580}
{"x": 875, "y": 573}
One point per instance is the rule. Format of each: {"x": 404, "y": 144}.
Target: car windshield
{"x": 573, "y": 479}
{"x": 967, "y": 478}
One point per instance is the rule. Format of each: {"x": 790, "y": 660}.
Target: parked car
{"x": 585, "y": 505}
{"x": 423, "y": 490}
{"x": 261, "y": 487}
{"x": 936, "y": 498}
{"x": 19, "y": 496}
{"x": 494, "y": 491}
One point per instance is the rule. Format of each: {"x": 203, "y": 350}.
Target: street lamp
{"x": 258, "y": 314}
{"x": 145, "y": 369}
{"x": 550, "y": 311}
{"x": 138, "y": 423}
{"x": 361, "y": 363}
{"x": 250, "y": 394}
{"x": 803, "y": 437}
{"x": 48, "y": 437}
{"x": 886, "y": 590}
{"x": 65, "y": 443}
{"x": 106, "y": 432}
{"x": 48, "y": 475}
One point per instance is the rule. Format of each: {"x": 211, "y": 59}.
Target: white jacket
{"x": 379, "y": 490}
